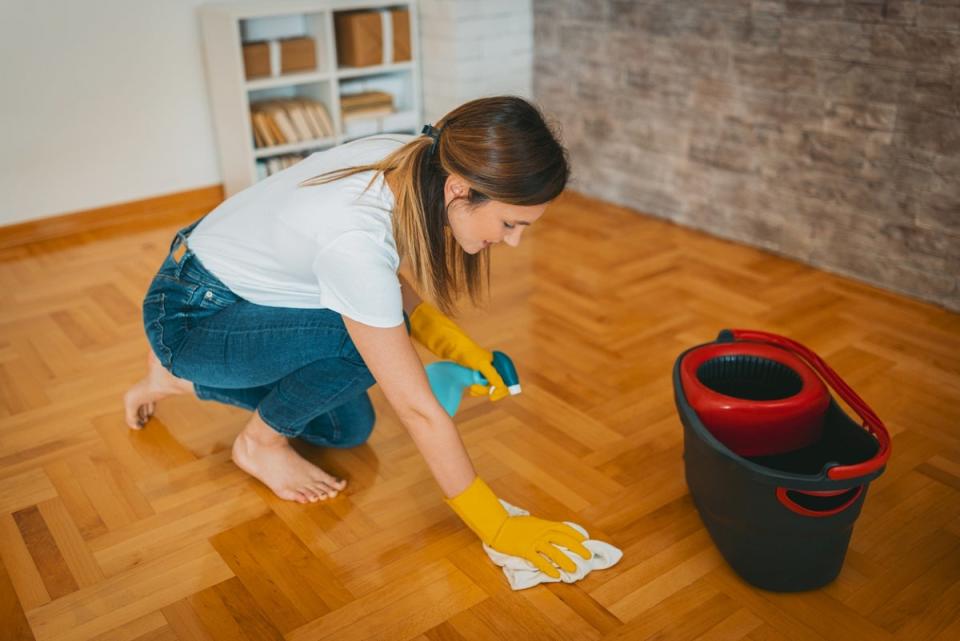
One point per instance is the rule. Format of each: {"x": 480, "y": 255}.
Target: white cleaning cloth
{"x": 523, "y": 574}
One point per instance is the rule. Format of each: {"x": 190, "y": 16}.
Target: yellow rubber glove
{"x": 435, "y": 331}
{"x": 523, "y": 536}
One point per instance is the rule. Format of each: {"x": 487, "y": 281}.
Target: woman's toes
{"x": 321, "y": 491}
{"x": 326, "y": 479}
{"x": 325, "y": 483}
{"x": 332, "y": 490}
{"x": 133, "y": 420}
{"x": 293, "y": 495}
{"x": 327, "y": 491}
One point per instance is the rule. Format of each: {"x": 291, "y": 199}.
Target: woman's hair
{"x": 506, "y": 152}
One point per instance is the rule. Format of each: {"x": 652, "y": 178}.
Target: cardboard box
{"x": 256, "y": 59}
{"x": 401, "y": 35}
{"x": 359, "y": 37}
{"x": 294, "y": 55}
{"x": 298, "y": 55}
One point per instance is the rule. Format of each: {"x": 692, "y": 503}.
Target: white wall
{"x": 101, "y": 102}
{"x": 474, "y": 48}
{"x": 105, "y": 101}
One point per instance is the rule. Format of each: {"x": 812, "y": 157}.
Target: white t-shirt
{"x": 325, "y": 246}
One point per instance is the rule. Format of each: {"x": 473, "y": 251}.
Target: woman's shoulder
{"x": 362, "y": 151}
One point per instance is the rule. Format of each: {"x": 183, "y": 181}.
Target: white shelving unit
{"x": 225, "y": 26}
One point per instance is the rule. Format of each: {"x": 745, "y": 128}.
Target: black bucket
{"x": 783, "y": 521}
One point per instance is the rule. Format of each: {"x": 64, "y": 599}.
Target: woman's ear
{"x": 458, "y": 185}
{"x": 455, "y": 187}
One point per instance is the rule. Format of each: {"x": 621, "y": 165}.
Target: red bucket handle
{"x": 871, "y": 422}
{"x": 783, "y": 495}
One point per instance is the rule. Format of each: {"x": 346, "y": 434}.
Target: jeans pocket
{"x": 154, "y": 314}
{"x": 211, "y": 294}
{"x": 208, "y": 299}
{"x": 164, "y": 317}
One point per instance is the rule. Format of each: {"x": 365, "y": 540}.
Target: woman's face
{"x": 477, "y": 227}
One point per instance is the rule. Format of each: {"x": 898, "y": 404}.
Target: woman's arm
{"x": 396, "y": 367}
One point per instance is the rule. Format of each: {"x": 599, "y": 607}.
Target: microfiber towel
{"x": 523, "y": 574}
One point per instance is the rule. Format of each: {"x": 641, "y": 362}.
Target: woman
{"x": 286, "y": 300}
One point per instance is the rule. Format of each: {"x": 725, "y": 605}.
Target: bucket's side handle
{"x": 871, "y": 422}
{"x": 820, "y": 503}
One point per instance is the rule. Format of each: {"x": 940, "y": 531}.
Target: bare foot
{"x": 267, "y": 455}
{"x": 140, "y": 400}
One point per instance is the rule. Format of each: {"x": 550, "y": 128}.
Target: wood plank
{"x": 70, "y": 543}
{"x": 122, "y": 598}
{"x": 398, "y": 608}
{"x": 46, "y": 555}
{"x": 185, "y": 622}
{"x": 15, "y": 624}
{"x": 19, "y": 565}
{"x": 286, "y": 581}
{"x": 23, "y": 490}
{"x": 228, "y": 612}
{"x": 165, "y": 533}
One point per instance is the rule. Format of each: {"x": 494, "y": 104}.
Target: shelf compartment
{"x": 372, "y": 36}
{"x": 321, "y": 92}
{"x": 404, "y": 117}
{"x": 313, "y": 25}
{"x": 398, "y": 122}
{"x": 399, "y": 85}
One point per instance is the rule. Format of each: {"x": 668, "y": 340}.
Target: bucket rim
{"x": 768, "y": 475}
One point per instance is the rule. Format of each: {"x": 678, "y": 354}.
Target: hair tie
{"x": 434, "y": 133}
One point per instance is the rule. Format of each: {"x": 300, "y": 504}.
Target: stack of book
{"x": 291, "y": 120}
{"x": 366, "y": 104}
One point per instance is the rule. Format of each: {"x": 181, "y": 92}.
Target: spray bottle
{"x": 449, "y": 380}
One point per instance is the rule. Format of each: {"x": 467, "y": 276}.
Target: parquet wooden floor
{"x": 111, "y": 534}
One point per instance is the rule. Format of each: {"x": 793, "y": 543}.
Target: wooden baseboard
{"x": 140, "y": 214}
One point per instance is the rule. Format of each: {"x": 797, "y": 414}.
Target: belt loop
{"x": 175, "y": 242}
{"x": 182, "y": 263}
{"x": 180, "y": 238}
{"x": 178, "y": 241}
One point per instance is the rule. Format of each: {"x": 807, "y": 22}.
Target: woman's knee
{"x": 355, "y": 429}
{"x": 346, "y": 426}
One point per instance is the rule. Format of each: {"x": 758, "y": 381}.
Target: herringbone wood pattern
{"x": 111, "y": 534}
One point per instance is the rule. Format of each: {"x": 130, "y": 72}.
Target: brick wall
{"x": 474, "y": 48}
{"x": 828, "y": 131}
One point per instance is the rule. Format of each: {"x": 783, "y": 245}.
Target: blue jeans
{"x": 297, "y": 367}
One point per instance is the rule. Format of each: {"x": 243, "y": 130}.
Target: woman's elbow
{"x": 421, "y": 415}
